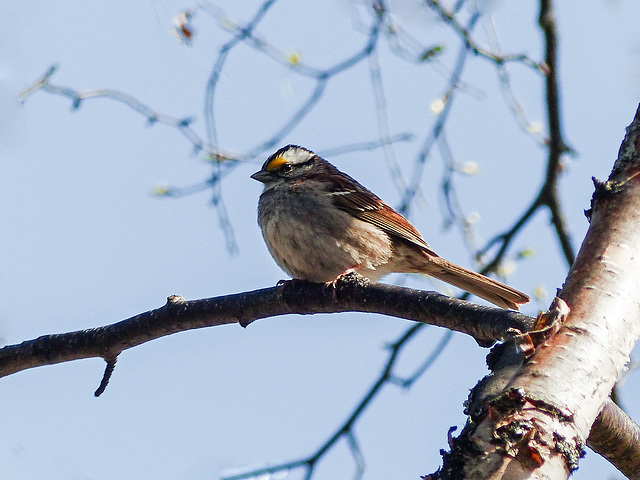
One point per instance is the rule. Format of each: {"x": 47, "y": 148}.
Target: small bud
{"x": 437, "y": 106}
{"x": 534, "y": 127}
{"x": 160, "y": 190}
{"x": 507, "y": 268}
{"x": 468, "y": 168}
{"x": 294, "y": 58}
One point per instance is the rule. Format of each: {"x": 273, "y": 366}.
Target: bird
{"x": 319, "y": 223}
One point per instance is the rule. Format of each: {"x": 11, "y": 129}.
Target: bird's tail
{"x": 484, "y": 287}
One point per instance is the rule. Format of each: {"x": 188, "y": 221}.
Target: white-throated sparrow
{"x": 319, "y": 223}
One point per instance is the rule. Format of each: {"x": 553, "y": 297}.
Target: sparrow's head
{"x": 289, "y": 163}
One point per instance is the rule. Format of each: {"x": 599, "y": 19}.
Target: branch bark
{"x": 352, "y": 293}
{"x": 535, "y": 426}
{"x": 617, "y": 438}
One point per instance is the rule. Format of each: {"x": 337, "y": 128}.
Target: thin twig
{"x": 465, "y": 33}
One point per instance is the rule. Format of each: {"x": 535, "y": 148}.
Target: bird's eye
{"x": 286, "y": 168}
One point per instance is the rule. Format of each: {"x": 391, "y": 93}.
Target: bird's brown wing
{"x": 350, "y": 196}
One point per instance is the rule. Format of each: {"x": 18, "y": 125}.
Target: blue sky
{"x": 87, "y": 244}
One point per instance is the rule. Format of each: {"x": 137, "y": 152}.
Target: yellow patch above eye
{"x": 276, "y": 163}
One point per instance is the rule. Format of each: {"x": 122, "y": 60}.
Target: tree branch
{"x": 557, "y": 145}
{"x": 485, "y": 324}
{"x": 449, "y": 18}
{"x": 617, "y": 438}
{"x": 537, "y": 414}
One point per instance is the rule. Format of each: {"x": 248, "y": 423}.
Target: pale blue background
{"x": 85, "y": 243}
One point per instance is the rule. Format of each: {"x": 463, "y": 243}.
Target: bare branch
{"x": 108, "y": 372}
{"x": 557, "y": 145}
{"x": 183, "y": 125}
{"x": 465, "y": 34}
{"x": 447, "y": 99}
{"x": 616, "y": 437}
{"x": 541, "y": 416}
{"x": 240, "y": 35}
{"x": 346, "y": 429}
{"x": 485, "y": 324}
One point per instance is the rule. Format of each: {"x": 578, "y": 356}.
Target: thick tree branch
{"x": 535, "y": 423}
{"x": 485, "y": 324}
{"x": 616, "y": 437}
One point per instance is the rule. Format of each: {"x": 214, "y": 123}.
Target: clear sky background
{"x": 86, "y": 244}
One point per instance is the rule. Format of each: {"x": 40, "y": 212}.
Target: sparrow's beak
{"x": 262, "y": 176}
